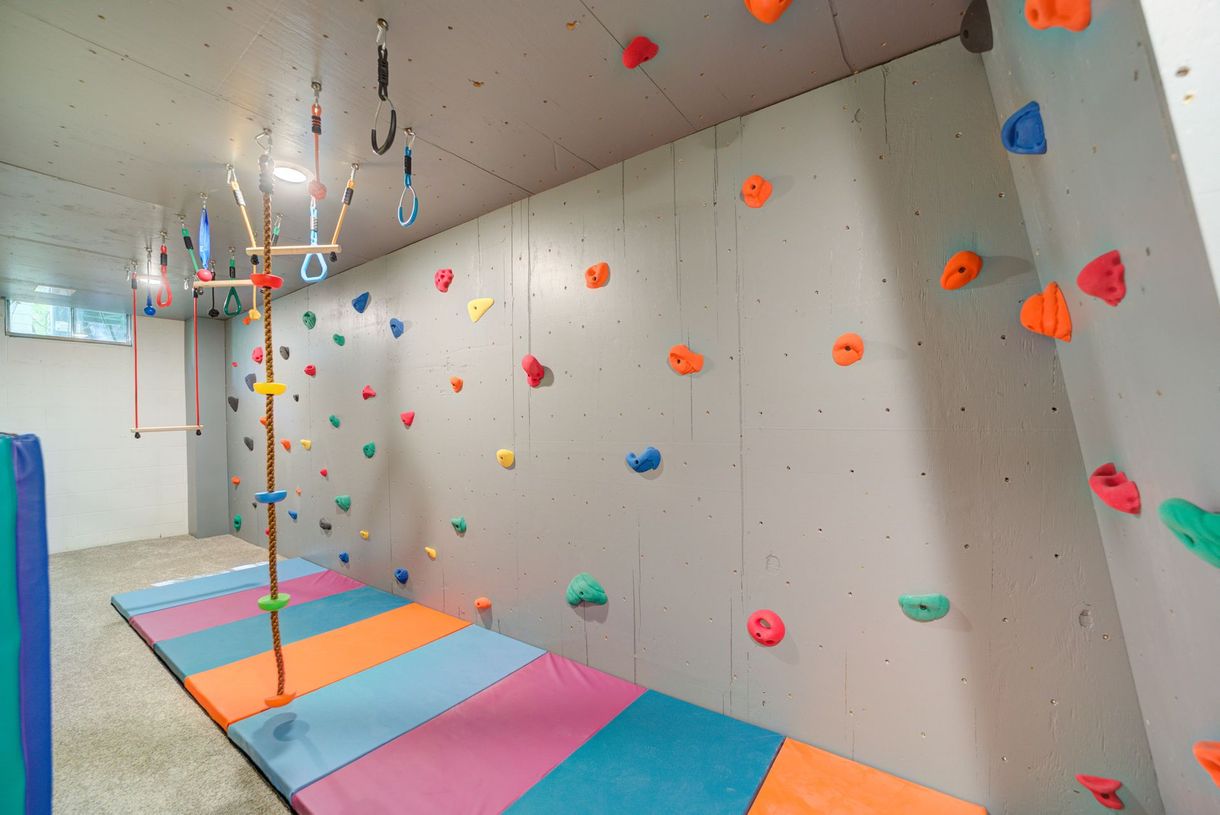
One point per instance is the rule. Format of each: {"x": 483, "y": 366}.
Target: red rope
{"x": 166, "y": 293}
{"x": 135, "y": 355}
{"x": 196, "y": 320}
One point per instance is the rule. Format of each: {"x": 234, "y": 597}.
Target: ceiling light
{"x": 286, "y": 172}
{"x": 56, "y": 290}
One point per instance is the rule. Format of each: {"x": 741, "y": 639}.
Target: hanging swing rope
{"x": 383, "y": 91}
{"x": 165, "y": 296}
{"x": 409, "y": 137}
{"x": 317, "y": 189}
{"x": 136, "y": 429}
{"x": 245, "y": 215}
{"x": 348, "y": 192}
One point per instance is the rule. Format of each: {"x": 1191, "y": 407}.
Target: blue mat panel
{"x": 322, "y": 731}
{"x": 212, "y": 647}
{"x": 156, "y": 598}
{"x": 660, "y": 755}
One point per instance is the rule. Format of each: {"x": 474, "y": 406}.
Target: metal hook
{"x": 410, "y": 133}
{"x": 263, "y": 140}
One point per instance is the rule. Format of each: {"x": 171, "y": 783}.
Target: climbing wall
{"x": 1142, "y": 376}
{"x": 945, "y": 461}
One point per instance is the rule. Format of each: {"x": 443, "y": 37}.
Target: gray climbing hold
{"x": 325, "y": 524}
{"x": 975, "y": 32}
{"x": 250, "y": 380}
{"x": 233, "y": 403}
{"x": 296, "y": 397}
{"x": 249, "y": 443}
{"x": 284, "y": 351}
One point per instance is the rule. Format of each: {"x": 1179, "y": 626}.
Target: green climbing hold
{"x": 237, "y": 522}
{"x": 343, "y": 502}
{"x": 1195, "y": 527}
{"x": 458, "y": 524}
{"x": 269, "y": 603}
{"x": 334, "y": 420}
{"x": 310, "y": 319}
{"x": 339, "y": 339}
{"x": 585, "y": 588}
{"x": 924, "y": 608}
{"x": 369, "y": 450}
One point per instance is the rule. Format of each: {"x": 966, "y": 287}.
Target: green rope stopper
{"x": 924, "y": 608}
{"x": 1197, "y": 528}
{"x": 310, "y": 319}
{"x": 334, "y": 420}
{"x": 585, "y": 588}
{"x": 369, "y": 450}
{"x": 339, "y": 339}
{"x": 269, "y": 603}
{"x": 233, "y": 298}
{"x": 344, "y": 502}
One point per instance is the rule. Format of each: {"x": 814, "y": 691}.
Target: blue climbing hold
{"x": 650, "y": 459}
{"x": 396, "y": 327}
{"x": 292, "y": 513}
{"x": 271, "y": 497}
{"x": 1023, "y": 132}
{"x": 361, "y": 302}
{"x": 344, "y": 557}
{"x": 401, "y": 575}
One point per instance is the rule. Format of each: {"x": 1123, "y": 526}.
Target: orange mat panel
{"x": 239, "y": 689}
{"x": 804, "y": 779}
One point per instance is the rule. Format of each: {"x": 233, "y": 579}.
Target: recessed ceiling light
{"x": 286, "y": 172}
{"x": 56, "y": 290}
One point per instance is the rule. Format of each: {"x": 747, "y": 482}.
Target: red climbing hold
{"x": 533, "y": 370}
{"x": 1047, "y": 313}
{"x": 848, "y": 349}
{"x": 755, "y": 191}
{"x": 236, "y": 480}
{"x": 257, "y": 354}
{"x": 262, "y": 420}
{"x": 1105, "y": 790}
{"x": 368, "y": 392}
{"x": 1115, "y": 490}
{"x": 766, "y": 627}
{"x": 310, "y": 370}
{"x": 323, "y": 472}
{"x": 443, "y": 278}
{"x": 639, "y": 51}
{"x": 767, "y": 11}
{"x": 1103, "y": 277}
{"x": 685, "y": 361}
{"x": 597, "y": 275}
{"x": 1207, "y": 753}
{"x": 408, "y": 418}
{"x": 286, "y": 444}
{"x": 456, "y": 383}
{"x": 204, "y": 275}
{"x": 1074, "y": 15}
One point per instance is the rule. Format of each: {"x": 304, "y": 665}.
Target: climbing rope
{"x": 233, "y": 299}
{"x": 317, "y": 189}
{"x": 409, "y": 136}
{"x": 165, "y": 293}
{"x": 383, "y": 91}
{"x": 348, "y": 192}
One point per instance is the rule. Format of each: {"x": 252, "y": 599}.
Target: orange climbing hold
{"x": 456, "y": 383}
{"x": 767, "y": 11}
{"x": 482, "y": 603}
{"x": 1074, "y": 15}
{"x": 685, "y": 361}
{"x": 1208, "y": 755}
{"x": 236, "y": 480}
{"x": 755, "y": 191}
{"x": 262, "y": 420}
{"x": 597, "y": 275}
{"x": 960, "y": 270}
{"x": 1047, "y": 313}
{"x": 848, "y": 349}
{"x": 286, "y": 444}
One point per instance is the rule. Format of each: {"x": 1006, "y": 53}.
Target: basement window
{"x": 60, "y": 322}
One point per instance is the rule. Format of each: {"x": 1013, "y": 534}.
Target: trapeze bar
{"x": 167, "y": 429}
{"x": 307, "y": 249}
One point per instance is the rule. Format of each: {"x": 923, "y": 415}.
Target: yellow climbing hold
{"x": 478, "y": 307}
{"x": 307, "y": 443}
{"x": 254, "y": 314}
{"x": 431, "y": 552}
{"x": 273, "y": 388}
{"x": 506, "y": 458}
{"x": 364, "y": 533}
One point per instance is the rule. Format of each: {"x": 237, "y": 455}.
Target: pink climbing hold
{"x": 234, "y": 364}
{"x": 766, "y": 627}
{"x": 639, "y": 51}
{"x": 1103, "y": 277}
{"x": 310, "y": 370}
{"x": 443, "y": 278}
{"x": 1115, "y": 490}
{"x": 1105, "y": 790}
{"x": 323, "y": 472}
{"x": 368, "y": 392}
{"x": 533, "y": 370}
{"x": 408, "y": 418}
{"x": 257, "y": 353}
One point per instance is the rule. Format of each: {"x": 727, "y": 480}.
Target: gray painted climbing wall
{"x": 945, "y": 461}
{"x": 1143, "y": 377}
{"x": 206, "y": 455}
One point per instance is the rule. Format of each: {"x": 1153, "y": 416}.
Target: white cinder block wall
{"x": 103, "y": 486}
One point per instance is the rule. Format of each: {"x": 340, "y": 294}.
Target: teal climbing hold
{"x": 344, "y": 502}
{"x": 361, "y": 302}
{"x": 924, "y": 608}
{"x": 458, "y": 524}
{"x": 369, "y": 449}
{"x": 339, "y": 339}
{"x": 334, "y": 420}
{"x": 1195, "y": 527}
{"x": 237, "y": 522}
{"x": 310, "y": 319}
{"x": 585, "y": 588}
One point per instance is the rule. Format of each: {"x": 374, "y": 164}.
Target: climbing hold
{"x": 325, "y": 524}
{"x": 685, "y": 361}
{"x": 1207, "y": 753}
{"x": 430, "y": 552}
{"x": 407, "y": 418}
{"x": 296, "y": 397}
{"x": 233, "y": 403}
{"x": 234, "y": 364}
{"x": 364, "y": 534}
{"x": 477, "y": 307}
{"x": 455, "y": 382}
{"x": 443, "y": 278}
{"x": 262, "y": 420}
{"x": 1104, "y": 277}
{"x": 506, "y": 458}
{"x": 458, "y": 524}
{"x": 344, "y": 557}
{"x": 271, "y": 497}
{"x": 1115, "y": 490}
{"x": 960, "y": 270}
{"x": 482, "y": 603}
{"x": 1023, "y": 133}
{"x": 361, "y": 302}
{"x": 975, "y": 32}
{"x": 1047, "y": 313}
{"x": 533, "y": 370}
{"x": 368, "y": 393}
{"x": 323, "y": 472}
{"x": 270, "y": 388}
{"x": 249, "y": 442}
{"x": 369, "y": 449}
{"x": 235, "y": 480}
{"x": 298, "y": 490}
{"x": 848, "y": 349}
{"x": 284, "y": 352}
{"x": 310, "y": 319}
{"x": 292, "y": 513}
{"x": 250, "y": 379}
{"x": 767, "y": 11}
{"x": 339, "y": 339}
{"x": 597, "y": 275}
{"x": 639, "y": 51}
{"x": 650, "y": 459}
{"x": 396, "y": 327}
{"x": 1197, "y": 528}
{"x": 755, "y": 191}
{"x": 1105, "y": 790}
{"x": 343, "y": 502}
{"x": 401, "y": 575}
{"x": 286, "y": 444}
{"x": 585, "y": 589}
{"x": 924, "y": 608}
{"x": 766, "y": 627}
{"x": 1074, "y": 15}
{"x": 307, "y": 444}
{"x": 237, "y": 522}
{"x": 311, "y": 370}
{"x": 269, "y": 603}
{"x": 257, "y": 354}
{"x": 334, "y": 420}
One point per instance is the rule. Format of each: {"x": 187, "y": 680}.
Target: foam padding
{"x": 320, "y": 732}
{"x": 213, "y": 647}
{"x": 659, "y": 755}
{"x": 142, "y": 601}
{"x": 12, "y": 763}
{"x": 187, "y": 619}
{"x": 237, "y": 690}
{"x": 481, "y": 755}
{"x": 807, "y": 780}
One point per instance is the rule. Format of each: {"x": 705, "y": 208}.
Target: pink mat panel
{"x": 485, "y": 753}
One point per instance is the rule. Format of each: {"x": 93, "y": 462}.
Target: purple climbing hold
{"x": 360, "y": 304}
{"x": 401, "y": 575}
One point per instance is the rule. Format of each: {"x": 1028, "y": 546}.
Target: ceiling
{"x": 117, "y": 114}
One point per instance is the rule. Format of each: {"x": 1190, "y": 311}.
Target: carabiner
{"x": 383, "y": 91}
{"x": 409, "y": 135}
{"x": 313, "y": 241}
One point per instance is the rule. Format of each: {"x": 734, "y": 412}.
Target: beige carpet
{"x": 128, "y": 738}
